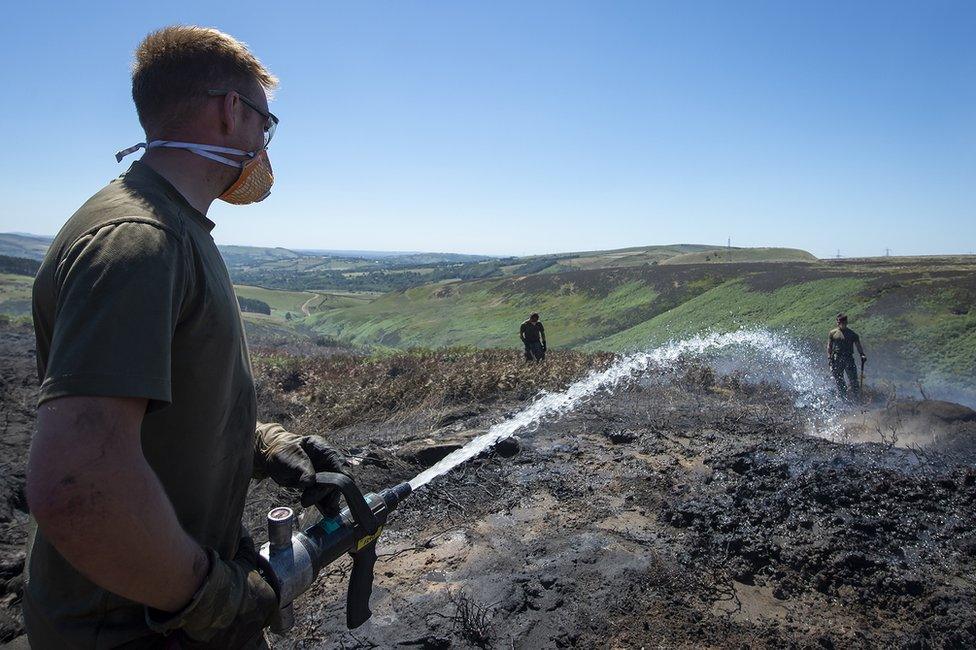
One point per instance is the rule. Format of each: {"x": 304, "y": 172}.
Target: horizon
{"x": 507, "y": 130}
{"x": 393, "y": 253}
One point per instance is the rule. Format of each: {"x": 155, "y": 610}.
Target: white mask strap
{"x": 206, "y": 150}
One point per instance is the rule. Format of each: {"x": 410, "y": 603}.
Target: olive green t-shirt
{"x": 532, "y": 332}
{"x": 134, "y": 300}
{"x": 842, "y": 342}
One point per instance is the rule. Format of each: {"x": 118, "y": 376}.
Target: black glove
{"x": 543, "y": 346}
{"x": 230, "y": 609}
{"x": 293, "y": 460}
{"x": 864, "y": 358}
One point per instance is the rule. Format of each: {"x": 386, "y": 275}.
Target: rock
{"x": 948, "y": 412}
{"x": 428, "y": 451}
{"x": 456, "y": 415}
{"x": 618, "y": 436}
{"x": 508, "y": 447}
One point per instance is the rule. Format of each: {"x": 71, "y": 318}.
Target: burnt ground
{"x": 18, "y": 398}
{"x": 684, "y": 513}
{"x": 671, "y": 515}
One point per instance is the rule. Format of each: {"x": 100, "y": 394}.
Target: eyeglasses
{"x": 270, "y": 119}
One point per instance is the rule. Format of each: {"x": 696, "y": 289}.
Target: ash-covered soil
{"x": 678, "y": 512}
{"x": 671, "y": 514}
{"x": 18, "y": 400}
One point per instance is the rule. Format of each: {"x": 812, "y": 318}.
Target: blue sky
{"x": 515, "y": 128}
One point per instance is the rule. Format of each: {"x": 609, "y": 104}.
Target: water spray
{"x": 296, "y": 558}
{"x": 813, "y": 393}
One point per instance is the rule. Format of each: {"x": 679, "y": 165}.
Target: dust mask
{"x": 254, "y": 182}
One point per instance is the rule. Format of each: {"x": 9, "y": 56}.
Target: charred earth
{"x": 683, "y": 510}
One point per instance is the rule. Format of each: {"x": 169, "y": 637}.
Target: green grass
{"x": 914, "y": 316}
{"x": 15, "y": 294}
{"x": 607, "y": 259}
{"x": 283, "y": 302}
{"x": 482, "y": 313}
{"x": 802, "y": 308}
{"x": 278, "y": 300}
{"x": 739, "y": 255}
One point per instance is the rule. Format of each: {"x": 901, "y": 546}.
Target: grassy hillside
{"x": 727, "y": 255}
{"x": 254, "y": 255}
{"x": 916, "y": 316}
{"x": 301, "y": 303}
{"x": 15, "y": 294}
{"x": 583, "y": 306}
{"x": 30, "y": 246}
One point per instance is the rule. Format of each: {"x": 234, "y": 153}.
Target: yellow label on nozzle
{"x": 366, "y": 541}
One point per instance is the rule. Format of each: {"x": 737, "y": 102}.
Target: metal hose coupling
{"x": 296, "y": 558}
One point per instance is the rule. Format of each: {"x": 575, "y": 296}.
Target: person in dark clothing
{"x": 840, "y": 354}
{"x": 533, "y": 336}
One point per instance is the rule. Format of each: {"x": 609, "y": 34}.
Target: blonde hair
{"x": 175, "y": 66}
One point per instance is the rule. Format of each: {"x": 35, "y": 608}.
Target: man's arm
{"x": 830, "y": 347}
{"x": 860, "y": 349}
{"x": 100, "y": 504}
{"x": 522, "y": 332}
{"x": 542, "y": 334}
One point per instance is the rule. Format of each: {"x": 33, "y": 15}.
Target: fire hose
{"x": 296, "y": 558}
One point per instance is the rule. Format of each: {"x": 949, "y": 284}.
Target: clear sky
{"x": 532, "y": 127}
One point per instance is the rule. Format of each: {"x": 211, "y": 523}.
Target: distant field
{"x": 29, "y": 246}
{"x": 917, "y": 316}
{"x": 586, "y": 305}
{"x": 298, "y": 303}
{"x": 280, "y": 301}
{"x": 737, "y": 255}
{"x": 15, "y": 294}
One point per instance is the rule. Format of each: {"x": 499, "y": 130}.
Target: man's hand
{"x": 864, "y": 358}
{"x": 293, "y": 460}
{"x": 231, "y": 608}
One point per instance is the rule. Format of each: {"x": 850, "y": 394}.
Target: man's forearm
{"x": 103, "y": 508}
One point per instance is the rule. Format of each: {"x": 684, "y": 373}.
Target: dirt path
{"x": 305, "y": 309}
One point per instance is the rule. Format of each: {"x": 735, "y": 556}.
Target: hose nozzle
{"x": 394, "y": 495}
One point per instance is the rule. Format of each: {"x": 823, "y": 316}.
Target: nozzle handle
{"x": 360, "y": 586}
{"x": 361, "y": 512}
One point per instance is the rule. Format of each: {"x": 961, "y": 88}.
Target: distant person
{"x": 146, "y": 437}
{"x": 533, "y": 336}
{"x": 840, "y": 354}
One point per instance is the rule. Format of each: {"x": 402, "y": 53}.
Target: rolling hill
{"x": 22, "y": 245}
{"x": 916, "y": 315}
{"x": 740, "y": 255}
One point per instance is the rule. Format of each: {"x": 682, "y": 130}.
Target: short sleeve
{"x": 119, "y": 292}
{"x": 541, "y": 328}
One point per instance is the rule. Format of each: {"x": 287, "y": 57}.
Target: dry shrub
{"x": 698, "y": 376}
{"x": 347, "y": 389}
{"x": 471, "y": 619}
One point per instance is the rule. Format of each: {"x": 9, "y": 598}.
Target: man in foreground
{"x": 840, "y": 355}
{"x": 146, "y": 432}
{"x": 533, "y": 336}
